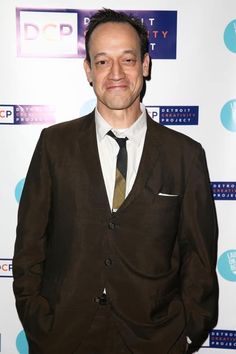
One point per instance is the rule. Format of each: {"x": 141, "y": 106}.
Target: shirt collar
{"x": 133, "y": 133}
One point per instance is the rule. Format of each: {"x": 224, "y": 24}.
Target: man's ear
{"x": 87, "y": 68}
{"x": 146, "y": 65}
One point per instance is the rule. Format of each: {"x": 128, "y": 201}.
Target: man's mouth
{"x": 117, "y": 87}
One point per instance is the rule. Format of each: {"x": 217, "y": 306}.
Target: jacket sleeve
{"x": 31, "y": 239}
{"x": 198, "y": 246}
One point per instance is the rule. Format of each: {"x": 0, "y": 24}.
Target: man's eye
{"x": 129, "y": 61}
{"x": 101, "y": 62}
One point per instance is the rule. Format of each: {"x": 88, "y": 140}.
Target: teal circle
{"x": 227, "y": 265}
{"x": 18, "y": 189}
{"x": 228, "y": 115}
{"x": 230, "y": 36}
{"x": 21, "y": 343}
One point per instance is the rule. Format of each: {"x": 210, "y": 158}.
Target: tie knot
{"x": 120, "y": 141}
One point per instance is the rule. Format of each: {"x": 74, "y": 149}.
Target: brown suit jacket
{"x": 161, "y": 244}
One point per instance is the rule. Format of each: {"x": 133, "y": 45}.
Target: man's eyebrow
{"x": 127, "y": 51}
{"x": 99, "y": 54}
{"x": 130, "y": 51}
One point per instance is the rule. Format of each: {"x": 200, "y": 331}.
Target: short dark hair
{"x": 108, "y": 15}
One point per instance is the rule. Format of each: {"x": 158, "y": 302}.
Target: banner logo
{"x": 21, "y": 343}
{"x": 228, "y": 115}
{"x": 227, "y": 265}
{"x": 27, "y": 114}
{"x": 174, "y": 115}
{"x": 222, "y": 339}
{"x": 230, "y": 36}
{"x": 5, "y": 268}
{"x": 47, "y": 33}
{"x": 18, "y": 189}
{"x": 224, "y": 190}
{"x": 60, "y": 33}
{"x": 6, "y": 114}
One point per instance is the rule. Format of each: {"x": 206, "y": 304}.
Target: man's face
{"x": 116, "y": 70}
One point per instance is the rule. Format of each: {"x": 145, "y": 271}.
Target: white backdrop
{"x": 203, "y": 75}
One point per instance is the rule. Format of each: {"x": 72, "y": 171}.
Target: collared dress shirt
{"x": 108, "y": 150}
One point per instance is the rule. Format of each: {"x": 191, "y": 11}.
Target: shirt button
{"x": 111, "y": 226}
{"x": 108, "y": 262}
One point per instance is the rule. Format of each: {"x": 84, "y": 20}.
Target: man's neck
{"x": 120, "y": 119}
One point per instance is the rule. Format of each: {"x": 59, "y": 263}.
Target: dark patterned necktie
{"x": 121, "y": 171}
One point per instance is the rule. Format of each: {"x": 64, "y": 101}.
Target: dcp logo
{"x": 47, "y": 33}
{"x": 5, "y": 267}
{"x": 154, "y": 112}
{"x": 228, "y": 115}
{"x": 174, "y": 115}
{"x": 227, "y": 265}
{"x": 230, "y": 36}
{"x": 6, "y": 114}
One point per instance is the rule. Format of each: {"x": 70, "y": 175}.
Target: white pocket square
{"x": 168, "y": 195}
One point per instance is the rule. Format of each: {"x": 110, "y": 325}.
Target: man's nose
{"x": 116, "y": 72}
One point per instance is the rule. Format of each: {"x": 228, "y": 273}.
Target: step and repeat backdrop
{"x": 192, "y": 89}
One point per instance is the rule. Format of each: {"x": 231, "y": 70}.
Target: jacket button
{"x": 111, "y": 225}
{"x": 97, "y": 299}
{"x": 108, "y": 262}
{"x": 101, "y": 300}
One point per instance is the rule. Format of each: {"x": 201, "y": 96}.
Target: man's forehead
{"x": 107, "y": 27}
{"x": 114, "y": 35}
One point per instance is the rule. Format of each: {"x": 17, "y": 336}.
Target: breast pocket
{"x": 164, "y": 206}
{"x": 163, "y": 219}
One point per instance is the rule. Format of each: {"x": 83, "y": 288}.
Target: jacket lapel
{"x": 89, "y": 152}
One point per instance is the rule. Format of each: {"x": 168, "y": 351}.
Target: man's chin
{"x": 118, "y": 105}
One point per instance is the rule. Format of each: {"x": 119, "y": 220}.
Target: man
{"x": 116, "y": 238}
